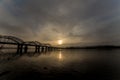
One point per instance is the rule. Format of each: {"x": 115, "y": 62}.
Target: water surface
{"x": 83, "y": 64}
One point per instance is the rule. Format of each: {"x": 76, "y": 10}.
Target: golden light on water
{"x": 60, "y": 42}
{"x": 60, "y": 56}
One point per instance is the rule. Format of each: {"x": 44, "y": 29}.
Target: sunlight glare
{"x": 60, "y": 42}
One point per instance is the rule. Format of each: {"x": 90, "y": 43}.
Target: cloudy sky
{"x": 76, "y": 22}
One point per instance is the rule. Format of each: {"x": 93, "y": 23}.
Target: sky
{"x": 76, "y": 22}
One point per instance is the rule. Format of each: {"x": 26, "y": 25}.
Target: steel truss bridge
{"x": 22, "y": 46}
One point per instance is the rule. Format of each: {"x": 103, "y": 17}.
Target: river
{"x": 75, "y": 64}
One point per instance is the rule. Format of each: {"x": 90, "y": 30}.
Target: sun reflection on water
{"x": 60, "y": 56}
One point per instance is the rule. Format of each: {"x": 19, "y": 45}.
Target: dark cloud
{"x": 78, "y": 22}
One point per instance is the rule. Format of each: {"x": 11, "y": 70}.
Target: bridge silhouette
{"x": 22, "y": 46}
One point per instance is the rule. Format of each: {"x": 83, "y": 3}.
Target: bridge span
{"x": 22, "y": 46}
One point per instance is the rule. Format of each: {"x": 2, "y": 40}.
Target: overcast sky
{"x": 76, "y": 22}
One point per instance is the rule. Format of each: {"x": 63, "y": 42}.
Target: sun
{"x": 60, "y": 42}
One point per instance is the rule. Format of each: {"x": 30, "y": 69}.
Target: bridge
{"x": 22, "y": 46}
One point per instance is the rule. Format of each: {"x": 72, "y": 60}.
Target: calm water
{"x": 61, "y": 64}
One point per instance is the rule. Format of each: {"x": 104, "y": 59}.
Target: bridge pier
{"x": 19, "y": 48}
{"x": 37, "y": 49}
{"x": 42, "y": 49}
{"x": 46, "y": 48}
{"x": 49, "y": 48}
{"x": 25, "y": 48}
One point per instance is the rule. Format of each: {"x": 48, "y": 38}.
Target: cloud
{"x": 75, "y": 21}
